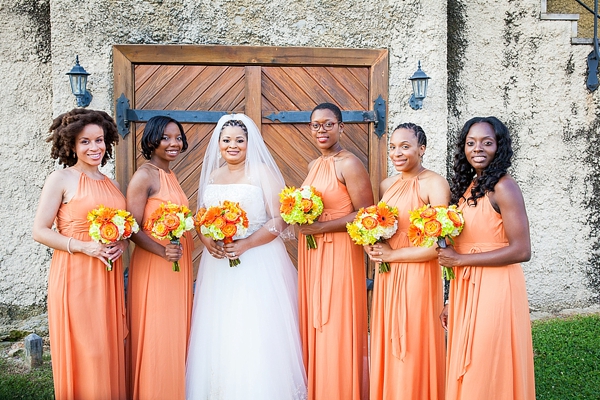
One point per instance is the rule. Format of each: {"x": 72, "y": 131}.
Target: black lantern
{"x": 419, "y": 87}
{"x": 78, "y": 77}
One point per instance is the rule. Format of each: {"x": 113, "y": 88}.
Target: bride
{"x": 245, "y": 342}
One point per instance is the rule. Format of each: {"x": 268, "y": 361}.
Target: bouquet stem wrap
{"x": 176, "y": 263}
{"x": 310, "y": 242}
{"x": 447, "y": 272}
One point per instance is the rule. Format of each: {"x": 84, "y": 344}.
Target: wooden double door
{"x": 256, "y": 81}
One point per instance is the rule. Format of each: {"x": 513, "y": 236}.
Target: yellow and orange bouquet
{"x": 170, "y": 221}
{"x": 301, "y": 206}
{"x": 429, "y": 225}
{"x": 224, "y": 222}
{"x": 373, "y": 224}
{"x": 109, "y": 225}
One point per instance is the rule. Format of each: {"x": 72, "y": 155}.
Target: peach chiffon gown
{"x": 407, "y": 339}
{"x": 333, "y": 299}
{"x": 160, "y": 307}
{"x": 490, "y": 354}
{"x": 86, "y": 310}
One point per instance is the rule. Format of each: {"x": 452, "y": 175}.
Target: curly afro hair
{"x": 464, "y": 172}
{"x": 67, "y": 126}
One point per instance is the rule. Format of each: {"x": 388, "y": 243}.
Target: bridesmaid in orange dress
{"x": 407, "y": 340}
{"x": 159, "y": 299}
{"x": 86, "y": 310}
{"x": 490, "y": 353}
{"x": 331, "y": 278}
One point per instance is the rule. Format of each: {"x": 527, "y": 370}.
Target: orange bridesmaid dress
{"x": 159, "y": 309}
{"x": 407, "y": 338}
{"x": 490, "y": 354}
{"x": 86, "y": 310}
{"x": 333, "y": 299}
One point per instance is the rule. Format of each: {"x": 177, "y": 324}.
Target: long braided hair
{"x": 464, "y": 172}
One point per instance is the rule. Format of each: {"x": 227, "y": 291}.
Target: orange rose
{"x": 369, "y": 222}
{"x": 219, "y": 222}
{"x": 306, "y": 205}
{"x": 231, "y": 216}
{"x": 432, "y": 228}
{"x": 172, "y": 221}
{"x": 160, "y": 229}
{"x": 429, "y": 212}
{"x": 415, "y": 235}
{"x": 109, "y": 231}
{"x": 371, "y": 209}
{"x": 229, "y": 230}
{"x": 455, "y": 218}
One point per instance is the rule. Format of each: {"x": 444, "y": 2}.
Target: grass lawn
{"x": 17, "y": 382}
{"x": 567, "y": 357}
{"x": 567, "y": 363}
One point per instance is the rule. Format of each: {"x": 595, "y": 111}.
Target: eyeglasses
{"x": 327, "y": 126}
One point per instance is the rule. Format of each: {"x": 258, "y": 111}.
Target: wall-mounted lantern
{"x": 78, "y": 78}
{"x": 419, "y": 87}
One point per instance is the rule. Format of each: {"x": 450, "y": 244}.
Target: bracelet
{"x": 446, "y": 302}
{"x": 68, "y": 243}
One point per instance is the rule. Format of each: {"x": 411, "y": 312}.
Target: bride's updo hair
{"x": 235, "y": 122}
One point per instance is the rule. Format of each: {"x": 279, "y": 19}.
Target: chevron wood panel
{"x": 302, "y": 88}
{"x": 189, "y": 87}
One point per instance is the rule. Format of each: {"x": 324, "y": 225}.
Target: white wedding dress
{"x": 245, "y": 341}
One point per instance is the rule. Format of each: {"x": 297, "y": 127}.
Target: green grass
{"x": 567, "y": 364}
{"x": 16, "y": 382}
{"x": 567, "y": 357}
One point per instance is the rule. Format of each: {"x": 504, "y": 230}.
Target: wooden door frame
{"x": 125, "y": 57}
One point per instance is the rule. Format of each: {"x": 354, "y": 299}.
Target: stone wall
{"x": 484, "y": 58}
{"x": 508, "y": 63}
{"x": 26, "y": 97}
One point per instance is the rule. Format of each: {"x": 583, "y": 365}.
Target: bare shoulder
{"x": 434, "y": 188}
{"x": 506, "y": 183}
{"x": 507, "y": 193}
{"x": 387, "y": 182}
{"x": 347, "y": 159}
{"x": 431, "y": 178}
{"x": 144, "y": 176}
{"x": 64, "y": 177}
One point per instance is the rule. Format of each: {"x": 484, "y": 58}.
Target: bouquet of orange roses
{"x": 109, "y": 225}
{"x": 170, "y": 221}
{"x": 373, "y": 224}
{"x": 301, "y": 206}
{"x": 429, "y": 225}
{"x": 224, "y": 222}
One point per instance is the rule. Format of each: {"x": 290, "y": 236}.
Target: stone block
{"x": 34, "y": 347}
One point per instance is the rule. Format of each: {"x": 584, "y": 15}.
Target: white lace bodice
{"x": 249, "y": 196}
